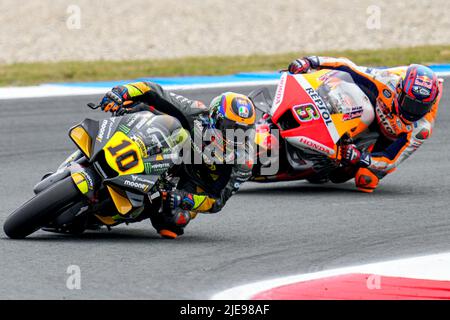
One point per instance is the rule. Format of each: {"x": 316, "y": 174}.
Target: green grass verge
{"x": 19, "y": 74}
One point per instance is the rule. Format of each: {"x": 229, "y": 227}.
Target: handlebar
{"x": 120, "y": 112}
{"x": 129, "y": 107}
{"x": 93, "y": 106}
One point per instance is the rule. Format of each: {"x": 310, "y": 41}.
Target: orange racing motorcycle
{"x": 120, "y": 167}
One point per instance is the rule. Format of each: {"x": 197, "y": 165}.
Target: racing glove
{"x": 299, "y": 66}
{"x": 181, "y": 199}
{"x": 351, "y": 155}
{"x": 113, "y": 100}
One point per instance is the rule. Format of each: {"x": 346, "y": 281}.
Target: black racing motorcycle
{"x": 116, "y": 176}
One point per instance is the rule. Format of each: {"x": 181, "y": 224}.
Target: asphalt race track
{"x": 265, "y": 231}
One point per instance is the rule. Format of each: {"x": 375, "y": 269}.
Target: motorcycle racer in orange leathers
{"x": 405, "y": 101}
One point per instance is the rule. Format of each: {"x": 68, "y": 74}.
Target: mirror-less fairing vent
{"x": 287, "y": 121}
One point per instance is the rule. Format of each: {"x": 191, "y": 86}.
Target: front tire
{"x": 41, "y": 209}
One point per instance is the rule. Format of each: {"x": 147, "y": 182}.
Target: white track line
{"x": 50, "y": 90}
{"x": 432, "y": 267}
{"x": 54, "y": 90}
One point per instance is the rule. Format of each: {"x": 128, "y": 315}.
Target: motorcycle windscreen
{"x": 303, "y": 116}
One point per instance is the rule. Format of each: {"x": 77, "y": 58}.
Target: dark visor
{"x": 223, "y": 124}
{"x": 412, "y": 109}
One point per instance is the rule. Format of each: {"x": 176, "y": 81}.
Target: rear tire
{"x": 41, "y": 209}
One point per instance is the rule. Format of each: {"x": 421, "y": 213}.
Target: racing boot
{"x": 174, "y": 223}
{"x": 342, "y": 174}
{"x": 366, "y": 180}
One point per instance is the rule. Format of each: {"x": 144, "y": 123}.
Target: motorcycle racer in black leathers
{"x": 206, "y": 185}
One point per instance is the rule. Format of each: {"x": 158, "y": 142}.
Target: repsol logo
{"x": 144, "y": 187}
{"x": 384, "y": 121}
{"x": 321, "y": 105}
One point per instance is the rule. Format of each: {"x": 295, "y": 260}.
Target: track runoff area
{"x": 423, "y": 277}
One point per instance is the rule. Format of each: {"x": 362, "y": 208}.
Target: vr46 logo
{"x": 306, "y": 112}
{"x": 123, "y": 155}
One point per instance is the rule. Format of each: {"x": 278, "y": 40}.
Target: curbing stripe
{"x": 432, "y": 267}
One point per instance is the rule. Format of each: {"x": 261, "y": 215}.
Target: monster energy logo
{"x": 124, "y": 128}
{"x": 147, "y": 168}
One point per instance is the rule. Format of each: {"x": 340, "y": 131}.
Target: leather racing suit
{"x": 397, "y": 139}
{"x": 210, "y": 185}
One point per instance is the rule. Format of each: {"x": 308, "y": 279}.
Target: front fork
{"x": 84, "y": 177}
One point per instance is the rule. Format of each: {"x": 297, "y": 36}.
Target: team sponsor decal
{"x": 147, "y": 167}
{"x": 142, "y": 147}
{"x": 327, "y": 76}
{"x": 387, "y": 93}
{"x": 320, "y": 104}
{"x": 132, "y": 120}
{"x": 137, "y": 178}
{"x": 159, "y": 167}
{"x": 306, "y": 112}
{"x": 310, "y": 144}
{"x": 356, "y": 112}
{"x": 88, "y": 179}
{"x": 111, "y": 123}
{"x": 150, "y": 168}
{"x": 141, "y": 123}
{"x": 422, "y": 85}
{"x": 424, "y": 81}
{"x": 143, "y": 186}
{"x": 124, "y": 128}
{"x": 422, "y": 91}
{"x": 384, "y": 109}
{"x": 366, "y": 159}
{"x": 101, "y": 131}
{"x": 382, "y": 117}
{"x": 280, "y": 93}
